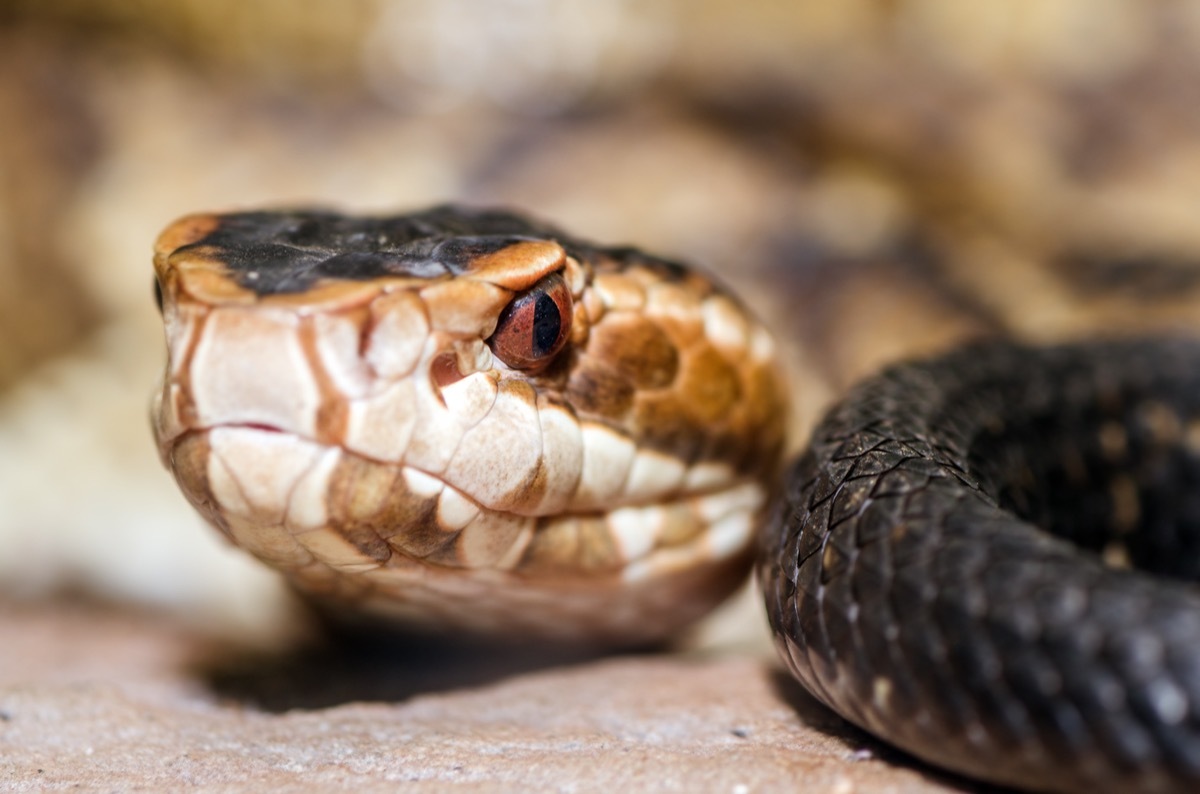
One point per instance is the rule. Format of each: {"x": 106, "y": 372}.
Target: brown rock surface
{"x": 101, "y": 699}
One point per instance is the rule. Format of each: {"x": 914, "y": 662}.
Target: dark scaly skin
{"x": 277, "y": 252}
{"x": 909, "y": 589}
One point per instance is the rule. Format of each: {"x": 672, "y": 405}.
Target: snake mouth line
{"x": 281, "y": 485}
{"x": 664, "y": 499}
{"x": 258, "y": 426}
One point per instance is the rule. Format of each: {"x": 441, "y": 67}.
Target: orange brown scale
{"x": 596, "y": 389}
{"x": 637, "y": 350}
{"x": 467, "y": 419}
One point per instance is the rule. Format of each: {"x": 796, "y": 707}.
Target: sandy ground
{"x": 116, "y": 700}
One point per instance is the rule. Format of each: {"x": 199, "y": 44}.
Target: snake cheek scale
{"x": 466, "y": 420}
{"x": 962, "y": 563}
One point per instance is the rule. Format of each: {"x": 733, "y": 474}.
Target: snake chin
{"x": 394, "y": 539}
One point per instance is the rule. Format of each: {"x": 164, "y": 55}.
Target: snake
{"x": 467, "y": 420}
{"x": 463, "y": 420}
{"x": 988, "y": 558}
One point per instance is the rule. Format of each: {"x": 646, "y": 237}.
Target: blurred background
{"x": 876, "y": 178}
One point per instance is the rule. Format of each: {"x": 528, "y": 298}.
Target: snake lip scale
{"x": 962, "y": 563}
{"x": 470, "y": 421}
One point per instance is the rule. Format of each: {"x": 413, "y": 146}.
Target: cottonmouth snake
{"x": 470, "y": 420}
{"x": 467, "y": 419}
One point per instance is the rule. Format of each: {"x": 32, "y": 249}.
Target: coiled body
{"x": 961, "y": 564}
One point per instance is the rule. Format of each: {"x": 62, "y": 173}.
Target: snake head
{"x": 406, "y": 404}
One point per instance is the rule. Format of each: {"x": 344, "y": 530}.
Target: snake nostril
{"x": 158, "y": 296}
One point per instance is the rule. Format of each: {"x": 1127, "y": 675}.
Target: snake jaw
{"x": 359, "y": 434}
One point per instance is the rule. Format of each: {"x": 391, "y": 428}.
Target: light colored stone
{"x": 109, "y": 700}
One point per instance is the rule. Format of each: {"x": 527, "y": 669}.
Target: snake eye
{"x": 534, "y": 326}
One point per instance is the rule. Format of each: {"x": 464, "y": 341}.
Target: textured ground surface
{"x": 112, "y": 700}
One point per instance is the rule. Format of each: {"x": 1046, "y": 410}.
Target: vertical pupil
{"x": 546, "y": 324}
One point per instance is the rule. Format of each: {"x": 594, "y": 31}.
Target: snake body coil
{"x": 953, "y": 566}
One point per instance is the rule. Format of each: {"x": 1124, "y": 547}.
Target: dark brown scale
{"x": 276, "y": 252}
{"x": 941, "y": 569}
{"x": 273, "y": 252}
